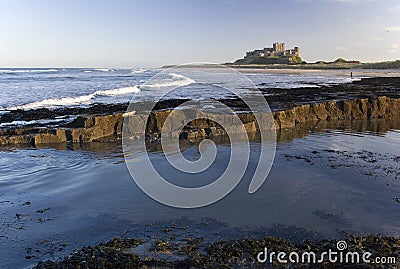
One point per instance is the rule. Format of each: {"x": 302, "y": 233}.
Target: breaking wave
{"x": 139, "y": 71}
{"x": 119, "y": 91}
{"x": 71, "y": 101}
{"x": 104, "y": 70}
{"x": 14, "y": 71}
{"x": 54, "y": 102}
{"x": 176, "y": 80}
{"x": 98, "y": 70}
{"x": 173, "y": 80}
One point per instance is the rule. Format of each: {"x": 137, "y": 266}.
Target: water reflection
{"x": 328, "y": 178}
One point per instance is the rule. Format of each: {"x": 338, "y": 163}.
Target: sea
{"x": 325, "y": 182}
{"x": 31, "y": 88}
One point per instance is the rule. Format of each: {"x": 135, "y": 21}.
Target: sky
{"x": 147, "y": 33}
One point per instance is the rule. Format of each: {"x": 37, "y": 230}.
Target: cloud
{"x": 338, "y": 1}
{"x": 231, "y": 3}
{"x": 352, "y": 1}
{"x": 340, "y": 48}
{"x": 393, "y": 29}
{"x": 358, "y": 44}
{"x": 394, "y": 48}
{"x": 393, "y": 9}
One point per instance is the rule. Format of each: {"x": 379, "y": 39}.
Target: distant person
{"x": 351, "y": 74}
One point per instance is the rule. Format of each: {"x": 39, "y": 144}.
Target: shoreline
{"x": 278, "y": 99}
{"x": 349, "y": 66}
{"x": 357, "y": 73}
{"x": 174, "y": 250}
{"x": 369, "y": 104}
{"x": 367, "y": 98}
{"x": 92, "y": 128}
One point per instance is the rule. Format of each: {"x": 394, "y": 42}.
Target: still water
{"x": 326, "y": 181}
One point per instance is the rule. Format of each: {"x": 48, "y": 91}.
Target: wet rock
{"x": 89, "y": 128}
{"x": 239, "y": 253}
{"x": 47, "y": 138}
{"x": 27, "y": 139}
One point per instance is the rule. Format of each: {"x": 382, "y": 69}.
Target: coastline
{"x": 369, "y": 104}
{"x": 103, "y": 128}
{"x": 197, "y": 252}
{"x": 321, "y": 65}
{"x": 357, "y": 73}
{"x": 368, "y": 98}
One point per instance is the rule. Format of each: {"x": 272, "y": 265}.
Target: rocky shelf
{"x": 89, "y": 128}
{"x": 239, "y": 253}
{"x": 368, "y": 98}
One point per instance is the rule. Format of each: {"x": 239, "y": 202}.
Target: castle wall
{"x": 278, "y": 50}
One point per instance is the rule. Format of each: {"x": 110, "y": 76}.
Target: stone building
{"x": 277, "y": 50}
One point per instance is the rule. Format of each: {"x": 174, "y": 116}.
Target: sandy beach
{"x": 357, "y": 73}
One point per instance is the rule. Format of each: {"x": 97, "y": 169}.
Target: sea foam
{"x": 173, "y": 80}
{"x": 119, "y": 91}
{"x": 77, "y": 100}
{"x": 176, "y": 80}
{"x": 13, "y": 71}
{"x": 139, "y": 71}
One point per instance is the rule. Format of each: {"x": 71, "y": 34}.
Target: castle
{"x": 277, "y": 50}
{"x": 275, "y": 55}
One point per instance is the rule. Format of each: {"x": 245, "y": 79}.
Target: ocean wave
{"x": 172, "y": 80}
{"x": 98, "y": 70}
{"x": 13, "y": 71}
{"x": 139, "y": 71}
{"x": 176, "y": 80}
{"x": 41, "y": 122}
{"x": 104, "y": 70}
{"x": 119, "y": 91}
{"x": 77, "y": 100}
{"x": 55, "y": 102}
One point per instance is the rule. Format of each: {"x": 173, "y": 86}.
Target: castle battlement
{"x": 277, "y": 50}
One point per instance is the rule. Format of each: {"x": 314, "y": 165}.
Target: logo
{"x": 332, "y": 256}
{"x": 341, "y": 245}
{"x": 202, "y": 90}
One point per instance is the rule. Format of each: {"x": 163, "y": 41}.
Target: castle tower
{"x": 278, "y": 47}
{"x": 297, "y": 51}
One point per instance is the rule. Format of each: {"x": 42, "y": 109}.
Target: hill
{"x": 382, "y": 65}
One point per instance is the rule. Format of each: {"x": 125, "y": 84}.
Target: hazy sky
{"x": 128, "y": 33}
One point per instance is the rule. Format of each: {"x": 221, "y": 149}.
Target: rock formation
{"x": 109, "y": 127}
